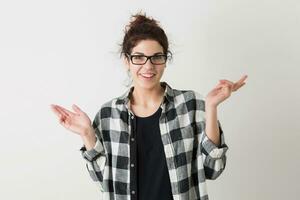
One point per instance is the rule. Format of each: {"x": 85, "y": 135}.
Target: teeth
{"x": 148, "y": 75}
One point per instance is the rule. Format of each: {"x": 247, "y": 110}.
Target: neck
{"x": 147, "y": 97}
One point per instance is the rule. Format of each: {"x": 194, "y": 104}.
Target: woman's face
{"x": 148, "y": 75}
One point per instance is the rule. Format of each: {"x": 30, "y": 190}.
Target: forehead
{"x": 148, "y": 47}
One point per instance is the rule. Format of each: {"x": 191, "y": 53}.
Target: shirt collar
{"x": 168, "y": 94}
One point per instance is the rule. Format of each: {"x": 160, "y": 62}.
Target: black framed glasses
{"x": 158, "y": 59}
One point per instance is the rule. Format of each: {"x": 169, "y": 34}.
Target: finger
{"x": 229, "y": 83}
{"x": 76, "y": 109}
{"x": 218, "y": 86}
{"x": 56, "y": 111}
{"x": 66, "y": 112}
{"x": 240, "y": 86}
{"x": 241, "y": 82}
{"x": 242, "y": 79}
{"x": 238, "y": 82}
{"x": 226, "y": 88}
{"x": 235, "y": 86}
{"x": 62, "y": 118}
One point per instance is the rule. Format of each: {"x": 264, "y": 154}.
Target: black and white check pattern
{"x": 191, "y": 156}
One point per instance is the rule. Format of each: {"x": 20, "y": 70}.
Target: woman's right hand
{"x": 77, "y": 122}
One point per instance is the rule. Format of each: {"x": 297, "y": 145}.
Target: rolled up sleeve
{"x": 95, "y": 158}
{"x": 214, "y": 156}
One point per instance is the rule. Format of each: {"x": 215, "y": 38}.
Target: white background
{"x": 66, "y": 52}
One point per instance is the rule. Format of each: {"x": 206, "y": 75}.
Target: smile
{"x": 147, "y": 75}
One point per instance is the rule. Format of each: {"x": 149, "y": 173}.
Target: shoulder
{"x": 187, "y": 95}
{"x": 107, "y": 109}
{"x": 189, "y": 99}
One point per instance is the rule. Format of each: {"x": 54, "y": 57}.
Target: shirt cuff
{"x": 94, "y": 153}
{"x": 211, "y": 148}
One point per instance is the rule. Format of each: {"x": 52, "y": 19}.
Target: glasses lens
{"x": 158, "y": 59}
{"x": 137, "y": 59}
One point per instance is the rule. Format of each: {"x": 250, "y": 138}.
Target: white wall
{"x": 66, "y": 52}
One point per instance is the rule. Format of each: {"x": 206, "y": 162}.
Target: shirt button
{"x": 132, "y": 165}
{"x": 132, "y": 117}
{"x": 132, "y": 139}
{"x": 132, "y": 192}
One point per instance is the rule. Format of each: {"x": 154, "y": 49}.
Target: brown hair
{"x": 140, "y": 28}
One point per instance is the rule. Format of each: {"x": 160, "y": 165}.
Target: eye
{"x": 159, "y": 57}
{"x": 138, "y": 57}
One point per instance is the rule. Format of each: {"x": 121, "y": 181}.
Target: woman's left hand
{"x": 222, "y": 91}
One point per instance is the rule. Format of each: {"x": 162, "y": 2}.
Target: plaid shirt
{"x": 190, "y": 155}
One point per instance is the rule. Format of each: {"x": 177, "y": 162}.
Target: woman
{"x": 152, "y": 142}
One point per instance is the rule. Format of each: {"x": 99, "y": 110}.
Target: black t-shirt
{"x": 153, "y": 181}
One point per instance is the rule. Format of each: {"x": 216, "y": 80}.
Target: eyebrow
{"x": 140, "y": 53}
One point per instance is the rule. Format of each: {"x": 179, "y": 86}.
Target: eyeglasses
{"x": 158, "y": 59}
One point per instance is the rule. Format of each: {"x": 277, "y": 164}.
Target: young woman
{"x": 152, "y": 142}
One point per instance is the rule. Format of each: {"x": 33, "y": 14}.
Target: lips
{"x": 148, "y": 75}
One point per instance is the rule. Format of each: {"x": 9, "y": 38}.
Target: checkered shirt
{"x": 191, "y": 156}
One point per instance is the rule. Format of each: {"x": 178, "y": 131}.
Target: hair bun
{"x": 140, "y": 19}
{"x": 142, "y": 27}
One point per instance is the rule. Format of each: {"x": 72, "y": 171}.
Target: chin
{"x": 148, "y": 85}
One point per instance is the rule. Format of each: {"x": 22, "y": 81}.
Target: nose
{"x": 148, "y": 64}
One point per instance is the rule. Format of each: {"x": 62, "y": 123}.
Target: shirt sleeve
{"x": 214, "y": 157}
{"x": 95, "y": 158}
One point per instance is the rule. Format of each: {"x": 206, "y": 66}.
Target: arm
{"x": 214, "y": 155}
{"x": 214, "y": 147}
{"x": 94, "y": 153}
{"x": 212, "y": 144}
{"x": 212, "y": 127}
